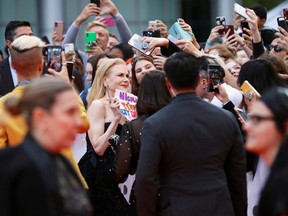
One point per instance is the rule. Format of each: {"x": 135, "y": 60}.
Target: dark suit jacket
{"x": 274, "y": 197}
{"x": 192, "y": 161}
{"x": 28, "y": 182}
{"x": 6, "y": 80}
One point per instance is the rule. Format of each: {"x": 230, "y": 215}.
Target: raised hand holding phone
{"x": 63, "y": 73}
{"x": 90, "y": 9}
{"x": 58, "y": 32}
{"x": 108, "y": 7}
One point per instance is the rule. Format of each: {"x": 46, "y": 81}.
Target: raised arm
{"x": 108, "y": 7}
{"x": 72, "y": 32}
{"x": 96, "y": 115}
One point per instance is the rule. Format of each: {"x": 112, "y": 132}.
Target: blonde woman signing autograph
{"x": 105, "y": 120}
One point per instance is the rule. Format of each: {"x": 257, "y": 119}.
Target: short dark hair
{"x": 259, "y": 10}
{"x": 126, "y": 50}
{"x": 153, "y": 93}
{"x": 12, "y": 26}
{"x": 182, "y": 70}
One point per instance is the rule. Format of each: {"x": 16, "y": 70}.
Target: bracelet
{"x": 209, "y": 43}
{"x": 116, "y": 15}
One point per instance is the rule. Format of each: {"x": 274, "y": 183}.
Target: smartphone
{"x": 214, "y": 77}
{"x": 152, "y": 24}
{"x": 97, "y": 2}
{"x": 240, "y": 10}
{"x": 69, "y": 47}
{"x": 109, "y": 21}
{"x": 70, "y": 67}
{"x": 247, "y": 90}
{"x": 241, "y": 114}
{"x": 59, "y": 29}
{"x": 231, "y": 28}
{"x": 285, "y": 13}
{"x": 147, "y": 34}
{"x": 90, "y": 39}
{"x": 177, "y": 32}
{"x": 221, "y": 20}
{"x": 136, "y": 42}
{"x": 245, "y": 25}
{"x": 282, "y": 23}
{"x": 54, "y": 57}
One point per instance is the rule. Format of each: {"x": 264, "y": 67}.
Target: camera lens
{"x": 145, "y": 45}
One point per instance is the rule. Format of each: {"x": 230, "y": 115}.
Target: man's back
{"x": 196, "y": 151}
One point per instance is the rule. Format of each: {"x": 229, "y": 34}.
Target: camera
{"x": 155, "y": 33}
{"x": 221, "y": 21}
{"x": 145, "y": 45}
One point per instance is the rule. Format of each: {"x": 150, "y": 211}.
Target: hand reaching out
{"x": 63, "y": 74}
{"x": 230, "y": 40}
{"x": 162, "y": 27}
{"x": 90, "y": 10}
{"x": 108, "y": 7}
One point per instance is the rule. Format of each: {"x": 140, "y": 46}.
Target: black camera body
{"x": 155, "y": 33}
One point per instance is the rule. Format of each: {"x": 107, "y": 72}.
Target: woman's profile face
{"x": 141, "y": 68}
{"x": 262, "y": 134}
{"x": 63, "y": 120}
{"x": 118, "y": 78}
{"x": 89, "y": 70}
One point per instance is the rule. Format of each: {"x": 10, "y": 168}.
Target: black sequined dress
{"x": 98, "y": 172}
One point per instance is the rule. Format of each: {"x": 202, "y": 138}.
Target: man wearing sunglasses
{"x": 276, "y": 49}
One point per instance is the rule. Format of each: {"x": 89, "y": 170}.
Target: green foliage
{"x": 269, "y": 4}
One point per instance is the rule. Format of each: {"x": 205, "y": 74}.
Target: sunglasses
{"x": 275, "y": 47}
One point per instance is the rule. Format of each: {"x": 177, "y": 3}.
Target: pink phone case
{"x": 109, "y": 21}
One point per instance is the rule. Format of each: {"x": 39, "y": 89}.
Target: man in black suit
{"x": 8, "y": 76}
{"x": 192, "y": 159}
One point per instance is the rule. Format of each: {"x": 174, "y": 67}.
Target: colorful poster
{"x": 127, "y": 104}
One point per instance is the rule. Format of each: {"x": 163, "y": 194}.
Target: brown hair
{"x": 153, "y": 93}
{"x": 226, "y": 52}
{"x": 39, "y": 93}
{"x": 135, "y": 85}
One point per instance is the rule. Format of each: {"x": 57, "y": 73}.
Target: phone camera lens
{"x": 145, "y": 45}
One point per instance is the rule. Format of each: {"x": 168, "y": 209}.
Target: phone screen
{"x": 214, "y": 77}
{"x": 54, "y": 57}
